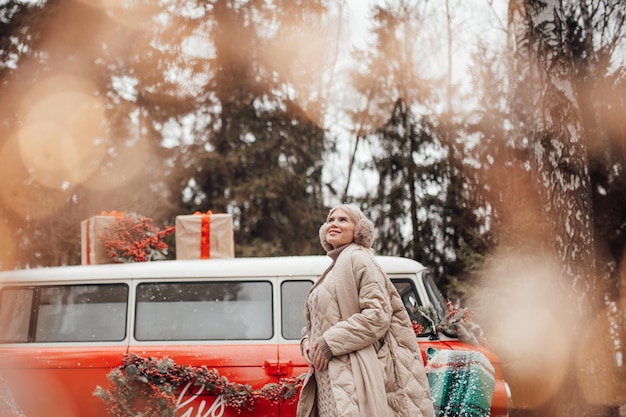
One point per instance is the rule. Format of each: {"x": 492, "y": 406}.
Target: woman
{"x": 360, "y": 346}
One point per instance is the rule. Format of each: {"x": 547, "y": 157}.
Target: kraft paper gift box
{"x": 92, "y": 249}
{"x": 205, "y": 236}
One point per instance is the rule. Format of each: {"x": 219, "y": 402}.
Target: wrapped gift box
{"x": 91, "y": 249}
{"x": 205, "y": 236}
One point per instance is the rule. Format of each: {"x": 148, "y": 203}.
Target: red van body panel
{"x": 59, "y": 381}
{"x": 64, "y": 379}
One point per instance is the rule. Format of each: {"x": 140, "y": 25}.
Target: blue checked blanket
{"x": 461, "y": 382}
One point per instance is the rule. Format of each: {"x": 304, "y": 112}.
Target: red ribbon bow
{"x": 205, "y": 234}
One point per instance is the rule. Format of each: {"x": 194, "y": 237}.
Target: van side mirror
{"x": 433, "y": 328}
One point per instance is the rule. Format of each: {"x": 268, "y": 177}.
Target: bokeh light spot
{"x": 130, "y": 159}
{"x": 61, "y": 141}
{"x": 20, "y": 193}
{"x": 537, "y": 355}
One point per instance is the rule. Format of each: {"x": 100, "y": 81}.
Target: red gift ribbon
{"x": 88, "y": 241}
{"x": 205, "y": 234}
{"x": 112, "y": 213}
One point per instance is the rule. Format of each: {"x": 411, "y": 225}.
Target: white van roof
{"x": 233, "y": 267}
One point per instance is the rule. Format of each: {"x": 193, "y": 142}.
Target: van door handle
{"x": 277, "y": 368}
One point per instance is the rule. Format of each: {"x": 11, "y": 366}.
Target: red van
{"x": 235, "y": 323}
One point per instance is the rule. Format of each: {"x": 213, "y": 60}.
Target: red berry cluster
{"x": 417, "y": 328}
{"x": 133, "y": 238}
{"x": 466, "y": 313}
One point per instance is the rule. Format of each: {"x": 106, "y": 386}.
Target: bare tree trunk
{"x": 559, "y": 152}
{"x": 558, "y": 158}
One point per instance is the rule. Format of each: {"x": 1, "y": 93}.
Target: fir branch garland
{"x": 149, "y": 387}
{"x": 458, "y": 322}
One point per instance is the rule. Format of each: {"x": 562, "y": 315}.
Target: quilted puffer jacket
{"x": 376, "y": 369}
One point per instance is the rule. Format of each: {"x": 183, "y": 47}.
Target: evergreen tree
{"x": 262, "y": 157}
{"x": 428, "y": 199}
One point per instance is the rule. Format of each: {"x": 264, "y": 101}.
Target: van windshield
{"x": 412, "y": 302}
{"x": 421, "y": 311}
{"x": 436, "y": 299}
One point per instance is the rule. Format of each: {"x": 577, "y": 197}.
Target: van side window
{"x": 15, "y": 307}
{"x": 58, "y": 313}
{"x": 411, "y": 301}
{"x": 292, "y": 298}
{"x": 204, "y": 311}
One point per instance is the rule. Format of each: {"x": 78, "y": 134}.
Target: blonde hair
{"x": 354, "y": 213}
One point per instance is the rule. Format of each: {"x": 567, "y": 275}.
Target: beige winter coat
{"x": 369, "y": 330}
